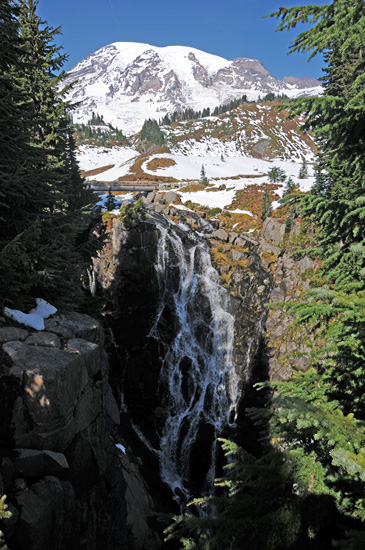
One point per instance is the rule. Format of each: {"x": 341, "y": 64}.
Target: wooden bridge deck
{"x": 124, "y": 186}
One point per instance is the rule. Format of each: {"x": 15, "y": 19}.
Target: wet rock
{"x": 139, "y": 507}
{"x": 111, "y": 406}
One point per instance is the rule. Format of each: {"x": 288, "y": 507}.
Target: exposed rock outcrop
{"x": 66, "y": 483}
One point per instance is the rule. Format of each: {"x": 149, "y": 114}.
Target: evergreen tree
{"x": 203, "y": 176}
{"x": 303, "y": 172}
{"x": 151, "y": 132}
{"x": 110, "y": 202}
{"x": 335, "y": 313}
{"x": 266, "y": 207}
{"x": 41, "y": 253}
{"x": 21, "y": 194}
{"x": 260, "y": 504}
{"x": 276, "y": 174}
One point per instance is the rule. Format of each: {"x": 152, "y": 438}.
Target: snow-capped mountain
{"x": 129, "y": 82}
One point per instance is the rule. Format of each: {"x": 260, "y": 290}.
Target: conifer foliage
{"x": 42, "y": 196}
{"x": 316, "y": 422}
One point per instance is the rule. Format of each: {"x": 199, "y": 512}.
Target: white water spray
{"x": 197, "y": 375}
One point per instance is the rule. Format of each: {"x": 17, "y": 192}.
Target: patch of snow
{"x": 182, "y": 207}
{"x": 43, "y": 308}
{"x": 275, "y": 205}
{"x": 90, "y": 158}
{"x": 33, "y": 319}
{"x": 120, "y": 447}
{"x": 238, "y": 211}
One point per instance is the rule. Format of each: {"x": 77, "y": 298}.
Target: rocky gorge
{"x": 95, "y": 444}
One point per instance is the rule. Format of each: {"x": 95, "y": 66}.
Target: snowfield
{"x": 245, "y": 167}
{"x": 91, "y": 158}
{"x": 235, "y": 173}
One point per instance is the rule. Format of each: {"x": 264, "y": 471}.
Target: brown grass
{"x": 96, "y": 171}
{"x": 250, "y": 198}
{"x": 157, "y": 163}
{"x": 137, "y": 174}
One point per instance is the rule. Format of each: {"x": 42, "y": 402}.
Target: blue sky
{"x": 230, "y": 29}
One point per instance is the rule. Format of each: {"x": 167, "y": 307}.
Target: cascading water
{"x": 198, "y": 382}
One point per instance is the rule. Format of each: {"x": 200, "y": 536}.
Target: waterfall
{"x": 198, "y": 382}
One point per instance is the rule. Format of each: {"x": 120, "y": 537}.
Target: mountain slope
{"x": 129, "y": 82}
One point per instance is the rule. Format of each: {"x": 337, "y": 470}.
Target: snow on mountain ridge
{"x": 128, "y": 82}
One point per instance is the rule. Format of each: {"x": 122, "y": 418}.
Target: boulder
{"x": 53, "y": 381}
{"x": 47, "y": 339}
{"x": 157, "y": 207}
{"x": 147, "y": 199}
{"x": 45, "y": 516}
{"x": 170, "y": 197}
{"x": 220, "y": 234}
{"x": 12, "y": 333}
{"x": 273, "y": 231}
{"x": 88, "y": 352}
{"x": 32, "y": 463}
{"x": 237, "y": 255}
{"x": 77, "y": 325}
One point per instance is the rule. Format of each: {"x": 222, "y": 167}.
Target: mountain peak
{"x": 128, "y": 82}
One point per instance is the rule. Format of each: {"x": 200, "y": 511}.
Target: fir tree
{"x": 151, "y": 132}
{"x": 303, "y": 172}
{"x": 332, "y": 427}
{"x": 203, "y": 176}
{"x": 261, "y": 505}
{"x": 266, "y": 207}
{"x": 276, "y": 174}
{"x": 41, "y": 253}
{"x": 110, "y": 202}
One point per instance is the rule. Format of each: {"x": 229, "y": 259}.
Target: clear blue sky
{"x": 228, "y": 28}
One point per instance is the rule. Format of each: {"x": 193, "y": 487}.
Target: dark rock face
{"x": 135, "y": 295}
{"x": 253, "y": 269}
{"x": 58, "y": 465}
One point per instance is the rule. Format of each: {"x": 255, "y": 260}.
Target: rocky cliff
{"x": 77, "y": 473}
{"x": 67, "y": 484}
{"x": 255, "y": 269}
